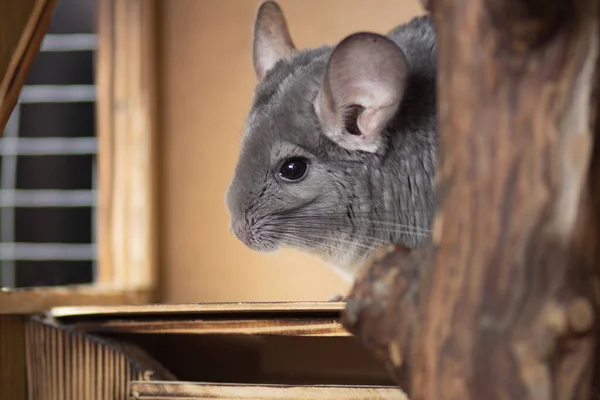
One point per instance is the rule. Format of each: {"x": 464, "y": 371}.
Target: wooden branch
{"x": 427, "y": 5}
{"x": 503, "y": 303}
{"x": 587, "y": 237}
{"x": 24, "y": 24}
{"x": 387, "y": 289}
{"x": 527, "y": 23}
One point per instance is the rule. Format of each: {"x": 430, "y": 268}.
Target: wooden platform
{"x": 291, "y": 319}
{"x": 230, "y": 351}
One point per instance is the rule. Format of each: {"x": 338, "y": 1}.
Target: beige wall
{"x": 206, "y": 84}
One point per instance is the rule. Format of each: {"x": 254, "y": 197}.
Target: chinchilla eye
{"x": 293, "y": 169}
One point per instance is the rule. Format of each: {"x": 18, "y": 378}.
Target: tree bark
{"x": 503, "y": 303}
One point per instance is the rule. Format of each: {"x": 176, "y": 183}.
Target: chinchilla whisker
{"x": 338, "y": 217}
{"x": 324, "y": 226}
{"x": 344, "y": 214}
{"x": 364, "y": 238}
{"x": 294, "y": 240}
{"x": 393, "y": 224}
{"x": 361, "y": 236}
{"x": 312, "y": 242}
{"x": 386, "y": 228}
{"x": 328, "y": 213}
{"x": 342, "y": 241}
{"x": 351, "y": 235}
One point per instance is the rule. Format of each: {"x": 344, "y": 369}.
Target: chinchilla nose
{"x": 243, "y": 232}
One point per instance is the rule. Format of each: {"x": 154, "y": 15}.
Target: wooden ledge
{"x": 40, "y": 300}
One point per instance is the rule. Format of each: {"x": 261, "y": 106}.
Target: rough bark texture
{"x": 503, "y": 303}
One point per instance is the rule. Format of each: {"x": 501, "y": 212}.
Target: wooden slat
{"x": 64, "y": 363}
{"x": 23, "y": 26}
{"x": 272, "y": 308}
{"x": 37, "y": 300}
{"x": 13, "y": 381}
{"x": 190, "y": 390}
{"x": 284, "y": 327}
{"x": 104, "y": 125}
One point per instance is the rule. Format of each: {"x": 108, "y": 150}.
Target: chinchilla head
{"x": 337, "y": 156}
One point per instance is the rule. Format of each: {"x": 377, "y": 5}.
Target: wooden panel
{"x": 64, "y": 364}
{"x": 126, "y": 125}
{"x": 23, "y": 25}
{"x": 13, "y": 381}
{"x": 189, "y": 390}
{"x": 36, "y": 300}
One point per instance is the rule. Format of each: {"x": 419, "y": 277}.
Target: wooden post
{"x": 503, "y": 303}
{"x": 127, "y": 162}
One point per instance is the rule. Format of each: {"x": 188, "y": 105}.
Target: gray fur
{"x": 351, "y": 201}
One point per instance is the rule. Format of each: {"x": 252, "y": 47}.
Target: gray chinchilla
{"x": 338, "y": 152}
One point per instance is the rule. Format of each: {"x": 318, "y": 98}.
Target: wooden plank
{"x": 283, "y": 327}
{"x": 190, "y": 390}
{"x": 13, "y": 370}
{"x": 271, "y": 308}
{"x": 127, "y": 132}
{"x": 36, "y": 300}
{"x": 24, "y": 24}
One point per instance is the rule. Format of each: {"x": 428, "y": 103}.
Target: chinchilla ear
{"x": 361, "y": 90}
{"x": 272, "y": 40}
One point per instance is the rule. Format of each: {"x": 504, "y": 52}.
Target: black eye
{"x": 293, "y": 169}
